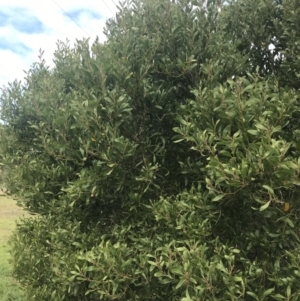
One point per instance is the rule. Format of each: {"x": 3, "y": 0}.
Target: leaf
{"x": 250, "y": 87}
{"x": 94, "y": 189}
{"x": 276, "y": 129}
{"x": 267, "y": 292}
{"x": 288, "y": 292}
{"x": 158, "y": 274}
{"x": 90, "y": 269}
{"x": 218, "y": 197}
{"x": 260, "y": 126}
{"x": 129, "y": 75}
{"x": 291, "y": 165}
{"x": 176, "y": 270}
{"x": 278, "y": 297}
{"x": 236, "y": 134}
{"x": 288, "y": 221}
{"x": 88, "y": 292}
{"x": 33, "y": 126}
{"x": 179, "y": 140}
{"x": 265, "y": 206}
{"x": 180, "y": 283}
{"x": 252, "y": 295}
{"x": 187, "y": 298}
{"x": 225, "y": 153}
{"x": 238, "y": 279}
{"x": 109, "y": 172}
{"x": 269, "y": 189}
{"x": 253, "y": 132}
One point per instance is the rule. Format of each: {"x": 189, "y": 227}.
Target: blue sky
{"x": 27, "y": 26}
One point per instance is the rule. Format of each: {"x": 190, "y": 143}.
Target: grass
{"x": 9, "y": 213}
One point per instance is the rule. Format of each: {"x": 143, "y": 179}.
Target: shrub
{"x": 164, "y": 163}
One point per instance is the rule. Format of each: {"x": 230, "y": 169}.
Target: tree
{"x": 164, "y": 163}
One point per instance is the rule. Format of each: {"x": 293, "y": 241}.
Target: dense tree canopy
{"x": 164, "y": 163}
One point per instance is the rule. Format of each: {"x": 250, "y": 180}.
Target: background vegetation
{"x": 163, "y": 164}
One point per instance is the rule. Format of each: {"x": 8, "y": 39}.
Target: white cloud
{"x": 20, "y": 40}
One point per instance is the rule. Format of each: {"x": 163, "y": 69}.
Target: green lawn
{"x": 9, "y": 213}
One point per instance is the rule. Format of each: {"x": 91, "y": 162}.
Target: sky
{"x": 31, "y": 25}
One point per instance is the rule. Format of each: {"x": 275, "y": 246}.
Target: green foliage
{"x": 163, "y": 164}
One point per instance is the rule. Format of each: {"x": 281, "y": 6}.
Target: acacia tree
{"x": 164, "y": 163}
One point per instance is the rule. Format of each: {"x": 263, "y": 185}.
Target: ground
{"x": 9, "y": 213}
